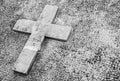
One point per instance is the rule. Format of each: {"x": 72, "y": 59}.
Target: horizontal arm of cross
{"x": 54, "y": 31}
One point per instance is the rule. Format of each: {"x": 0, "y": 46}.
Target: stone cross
{"x": 38, "y": 29}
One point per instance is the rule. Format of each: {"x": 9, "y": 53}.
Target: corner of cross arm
{"x": 24, "y": 25}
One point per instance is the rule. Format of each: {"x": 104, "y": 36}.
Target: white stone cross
{"x": 38, "y": 29}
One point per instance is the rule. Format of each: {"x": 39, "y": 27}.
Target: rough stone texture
{"x": 91, "y": 54}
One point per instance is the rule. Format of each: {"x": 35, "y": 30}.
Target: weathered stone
{"x": 38, "y": 29}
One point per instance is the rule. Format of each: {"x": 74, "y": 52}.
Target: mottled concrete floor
{"x": 92, "y": 52}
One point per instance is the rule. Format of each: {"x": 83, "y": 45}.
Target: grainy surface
{"x": 92, "y": 52}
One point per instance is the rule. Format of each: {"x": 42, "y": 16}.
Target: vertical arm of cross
{"x": 33, "y": 44}
{"x": 29, "y": 51}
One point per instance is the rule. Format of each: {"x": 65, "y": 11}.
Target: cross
{"x": 38, "y": 29}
